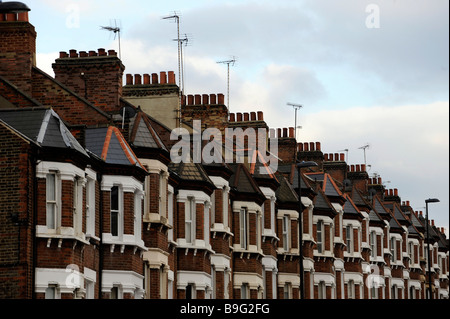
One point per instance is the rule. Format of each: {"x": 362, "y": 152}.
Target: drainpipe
{"x": 33, "y": 225}
{"x": 100, "y": 248}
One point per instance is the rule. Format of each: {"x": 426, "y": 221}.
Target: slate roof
{"x": 109, "y": 145}
{"x": 43, "y": 126}
{"x": 285, "y": 192}
{"x": 380, "y": 209}
{"x": 350, "y": 207}
{"x": 242, "y": 181}
{"x": 322, "y": 203}
{"x": 143, "y": 134}
{"x": 328, "y": 185}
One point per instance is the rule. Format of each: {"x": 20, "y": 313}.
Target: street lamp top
{"x": 432, "y": 200}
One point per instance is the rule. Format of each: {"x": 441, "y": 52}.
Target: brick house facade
{"x": 92, "y": 206}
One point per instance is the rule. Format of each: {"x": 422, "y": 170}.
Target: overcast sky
{"x": 366, "y": 72}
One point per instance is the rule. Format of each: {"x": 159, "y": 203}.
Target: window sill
{"x": 60, "y": 234}
{"x": 122, "y": 241}
{"x": 153, "y": 218}
{"x": 221, "y": 229}
{"x": 197, "y": 245}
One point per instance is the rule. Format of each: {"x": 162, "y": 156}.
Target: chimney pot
{"x": 325, "y": 157}
{"x": 246, "y": 117}
{"x": 291, "y": 132}
{"x": 171, "y": 77}
{"x": 73, "y": 53}
{"x": 102, "y": 52}
{"x": 352, "y": 168}
{"x": 238, "y": 116}
{"x": 432, "y": 222}
{"x": 220, "y": 99}
{"x": 312, "y": 146}
{"x": 22, "y": 16}
{"x": 205, "y": 99}
{"x": 129, "y": 78}
{"x": 83, "y": 54}
{"x": 212, "y": 99}
{"x": 252, "y": 116}
{"x": 300, "y": 147}
{"x": 112, "y": 53}
{"x": 306, "y": 147}
{"x": 363, "y": 167}
{"x": 163, "y": 77}
{"x": 285, "y": 132}
{"x": 407, "y": 203}
{"x": 92, "y": 53}
{"x": 155, "y": 78}
{"x": 190, "y": 99}
{"x": 146, "y": 79}
{"x": 63, "y": 54}
{"x": 379, "y": 180}
{"x": 197, "y": 99}
{"x": 137, "y": 79}
{"x": 395, "y": 192}
{"x": 232, "y": 117}
{"x": 342, "y": 157}
{"x": 260, "y": 116}
{"x": 183, "y": 99}
{"x": 279, "y": 133}
{"x": 318, "y": 146}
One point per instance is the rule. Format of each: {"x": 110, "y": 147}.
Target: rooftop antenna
{"x": 182, "y": 42}
{"x": 176, "y": 17}
{"x": 296, "y": 107}
{"x": 116, "y": 30}
{"x": 364, "y": 148}
{"x": 232, "y": 61}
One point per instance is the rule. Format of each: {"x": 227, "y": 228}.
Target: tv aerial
{"x": 116, "y": 30}
{"x": 364, "y": 147}
{"x": 232, "y": 61}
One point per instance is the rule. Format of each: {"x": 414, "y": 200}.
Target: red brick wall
{"x": 101, "y": 83}
{"x": 16, "y": 189}
{"x": 17, "y": 53}
{"x": 69, "y": 106}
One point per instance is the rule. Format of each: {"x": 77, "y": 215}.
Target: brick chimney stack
{"x": 17, "y": 45}
{"x": 94, "y": 75}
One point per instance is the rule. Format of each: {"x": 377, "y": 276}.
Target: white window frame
{"x": 138, "y": 216}
{"x": 245, "y": 291}
{"x": 320, "y": 236}
{"x": 287, "y": 290}
{"x": 226, "y": 204}
{"x": 119, "y": 211}
{"x": 53, "y": 216}
{"x": 90, "y": 207}
{"x": 243, "y": 228}
{"x": 349, "y": 239}
{"x": 322, "y": 290}
{"x": 52, "y": 292}
{"x": 286, "y": 223}
{"x": 170, "y": 211}
{"x": 393, "y": 244}
{"x": 351, "y": 289}
{"x": 189, "y": 220}
{"x": 162, "y": 193}
{"x": 77, "y": 207}
{"x": 373, "y": 243}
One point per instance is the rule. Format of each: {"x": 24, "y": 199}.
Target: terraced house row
{"x": 92, "y": 206}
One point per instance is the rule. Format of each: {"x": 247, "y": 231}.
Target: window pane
{"x": 115, "y": 198}
{"x": 51, "y": 187}
{"x": 51, "y": 210}
{"x": 50, "y": 293}
{"x": 114, "y": 223}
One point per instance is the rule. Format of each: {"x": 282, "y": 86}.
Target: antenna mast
{"x": 364, "y": 149}
{"x": 296, "y": 107}
{"x": 176, "y": 17}
{"x": 228, "y": 62}
{"x": 116, "y": 30}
